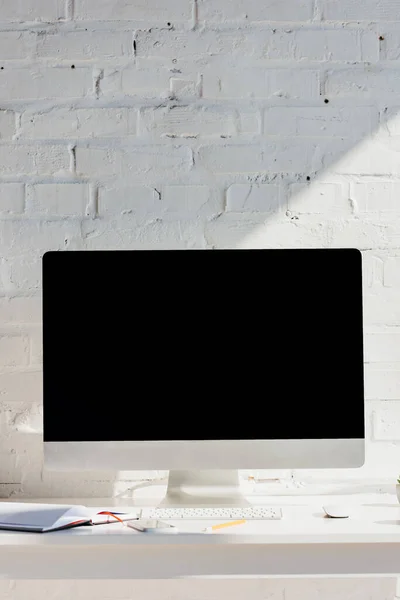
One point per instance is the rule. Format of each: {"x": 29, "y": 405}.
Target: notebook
{"x": 41, "y": 518}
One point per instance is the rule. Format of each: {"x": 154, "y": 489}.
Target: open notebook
{"x": 41, "y": 518}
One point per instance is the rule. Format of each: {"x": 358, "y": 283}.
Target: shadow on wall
{"x": 348, "y": 197}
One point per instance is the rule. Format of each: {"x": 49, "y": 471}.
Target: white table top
{"x": 303, "y": 542}
{"x": 374, "y": 519}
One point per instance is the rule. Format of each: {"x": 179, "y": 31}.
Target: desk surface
{"x": 303, "y": 543}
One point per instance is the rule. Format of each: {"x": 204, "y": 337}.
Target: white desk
{"x": 302, "y": 544}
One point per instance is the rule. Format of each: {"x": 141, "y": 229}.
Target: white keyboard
{"x": 246, "y": 512}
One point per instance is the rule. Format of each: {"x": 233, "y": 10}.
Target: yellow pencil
{"x": 223, "y": 525}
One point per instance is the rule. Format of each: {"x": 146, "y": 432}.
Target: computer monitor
{"x": 203, "y": 362}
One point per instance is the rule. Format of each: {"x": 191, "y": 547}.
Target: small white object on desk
{"x": 152, "y": 526}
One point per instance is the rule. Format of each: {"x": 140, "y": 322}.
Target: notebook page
{"x": 40, "y": 516}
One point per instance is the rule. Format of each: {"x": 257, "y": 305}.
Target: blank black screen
{"x": 202, "y": 345}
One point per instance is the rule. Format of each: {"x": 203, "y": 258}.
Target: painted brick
{"x": 391, "y": 271}
{"x": 14, "y": 385}
{"x": 373, "y": 83}
{"x": 331, "y": 45}
{"x": 9, "y": 469}
{"x": 21, "y": 309}
{"x": 382, "y": 346}
{"x": 7, "y": 124}
{"x": 137, "y": 200}
{"x": 152, "y": 11}
{"x": 243, "y": 197}
{"x": 131, "y": 233}
{"x": 232, "y": 159}
{"x": 44, "y": 82}
{"x": 262, "y": 83}
{"x": 326, "y": 44}
{"x": 32, "y": 10}
{"x": 162, "y": 202}
{"x": 390, "y": 121}
{"x": 360, "y": 10}
{"x": 58, "y": 199}
{"x": 382, "y": 382}
{"x": 183, "y": 88}
{"x": 15, "y": 159}
{"x": 362, "y": 234}
{"x": 390, "y": 44}
{"x": 14, "y": 350}
{"x": 98, "y": 161}
{"x": 376, "y": 197}
{"x": 79, "y": 123}
{"x": 319, "y": 198}
{"x": 367, "y": 157}
{"x": 12, "y": 198}
{"x": 33, "y": 237}
{"x": 147, "y": 82}
{"x": 387, "y": 421}
{"x": 382, "y": 307}
{"x": 252, "y": 10}
{"x": 84, "y": 45}
{"x": 234, "y": 230}
{"x": 321, "y": 122}
{"x": 36, "y": 345}
{"x": 189, "y": 200}
{"x": 288, "y": 156}
{"x": 192, "y": 121}
{"x": 139, "y": 82}
{"x": 203, "y": 43}
{"x": 162, "y": 43}
{"x": 373, "y": 268}
{"x": 14, "y": 44}
{"x": 25, "y": 417}
{"x": 21, "y": 274}
{"x": 139, "y": 161}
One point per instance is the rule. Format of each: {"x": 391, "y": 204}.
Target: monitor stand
{"x": 204, "y": 488}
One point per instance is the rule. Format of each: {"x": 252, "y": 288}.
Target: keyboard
{"x": 261, "y": 513}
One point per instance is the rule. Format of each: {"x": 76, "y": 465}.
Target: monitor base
{"x": 211, "y": 488}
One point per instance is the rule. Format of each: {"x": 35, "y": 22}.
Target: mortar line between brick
{"x": 72, "y": 158}
{"x": 195, "y": 14}
{"x": 93, "y": 201}
{"x": 26, "y": 191}
{"x": 316, "y": 12}
{"x": 69, "y": 9}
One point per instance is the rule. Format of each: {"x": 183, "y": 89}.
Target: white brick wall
{"x": 195, "y": 123}
{"x": 152, "y": 11}
{"x": 44, "y": 82}
{"x": 250, "y": 10}
{"x": 32, "y": 10}
{"x": 12, "y": 198}
{"x": 360, "y": 10}
{"x": 79, "y": 123}
{"x": 57, "y": 199}
{"x": 14, "y": 349}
